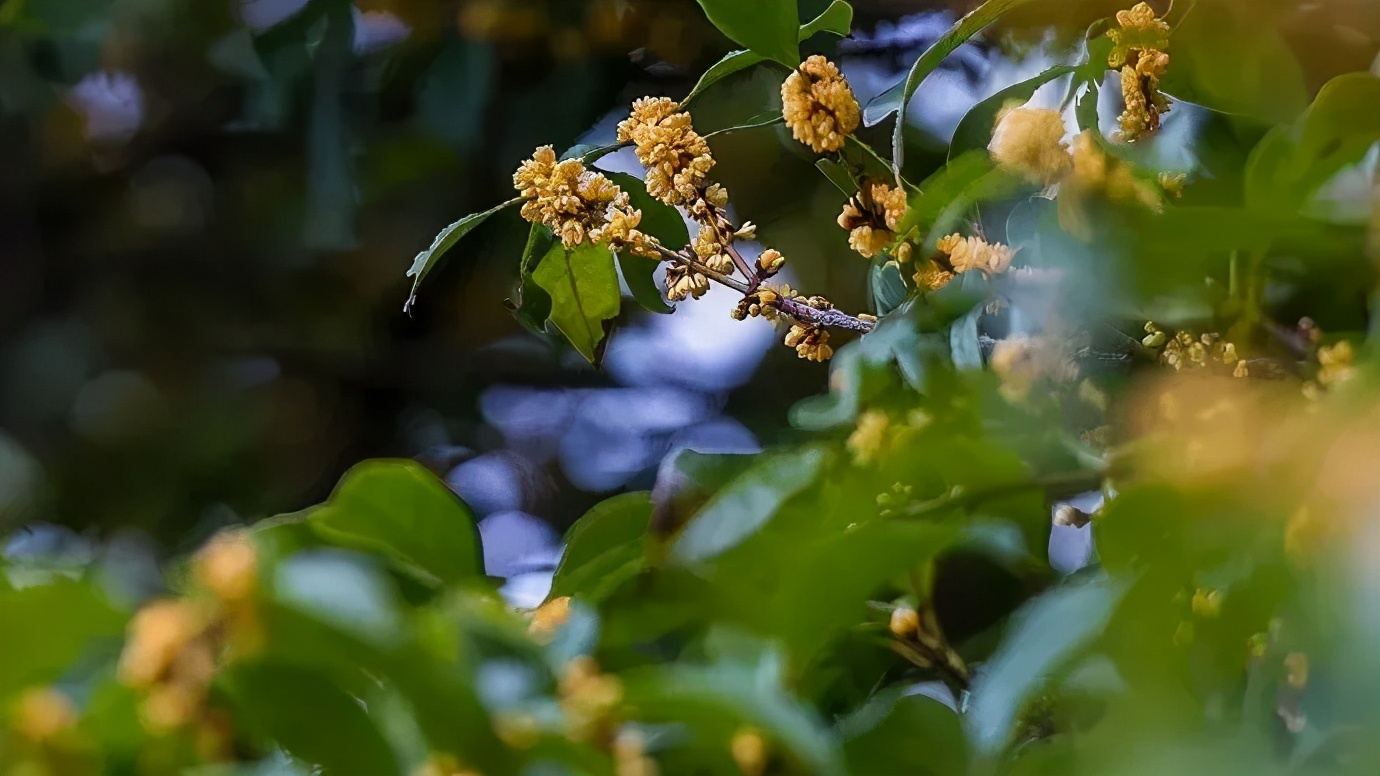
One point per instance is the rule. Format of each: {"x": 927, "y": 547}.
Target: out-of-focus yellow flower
{"x": 228, "y": 566}
{"x": 869, "y": 439}
{"x": 443, "y": 765}
{"x": 818, "y": 105}
{"x": 905, "y": 622}
{"x": 1030, "y": 142}
{"x": 677, "y": 158}
{"x": 548, "y": 618}
{"x": 1097, "y": 175}
{"x": 42, "y": 713}
{"x": 588, "y": 698}
{"x": 749, "y": 751}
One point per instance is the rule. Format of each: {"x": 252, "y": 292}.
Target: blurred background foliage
{"x": 206, "y": 212}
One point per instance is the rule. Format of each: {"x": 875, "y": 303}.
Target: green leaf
{"x": 583, "y": 285}
{"x": 1250, "y": 72}
{"x": 837, "y": 19}
{"x": 975, "y": 130}
{"x": 47, "y": 627}
{"x": 732, "y": 62}
{"x": 533, "y": 305}
{"x": 897, "y": 98}
{"x": 1086, "y": 111}
{"x": 1290, "y": 164}
{"x": 768, "y": 119}
{"x": 747, "y": 503}
{"x": 1043, "y": 636}
{"x": 887, "y": 285}
{"x": 770, "y": 28}
{"x": 399, "y": 510}
{"x": 939, "y": 193}
{"x": 917, "y": 735}
{"x": 660, "y": 221}
{"x": 311, "y": 718}
{"x": 838, "y": 174}
{"x": 963, "y": 341}
{"x": 639, "y": 273}
{"x": 715, "y": 700}
{"x": 603, "y": 545}
{"x": 447, "y": 239}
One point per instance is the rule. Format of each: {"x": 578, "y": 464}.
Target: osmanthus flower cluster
{"x": 1138, "y": 52}
{"x": 582, "y": 206}
{"x": 176, "y": 645}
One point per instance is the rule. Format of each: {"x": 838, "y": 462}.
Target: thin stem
{"x": 1057, "y": 486}
{"x": 794, "y": 308}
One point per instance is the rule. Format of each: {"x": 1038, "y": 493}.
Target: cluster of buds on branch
{"x": 581, "y": 205}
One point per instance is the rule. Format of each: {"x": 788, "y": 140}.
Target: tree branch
{"x": 793, "y": 308}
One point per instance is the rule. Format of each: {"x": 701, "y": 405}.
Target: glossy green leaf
{"x": 447, "y": 239}
{"x": 733, "y": 62}
{"x": 768, "y": 119}
{"x": 837, "y": 19}
{"x": 770, "y": 28}
{"x": 1337, "y": 130}
{"x": 583, "y": 285}
{"x": 640, "y": 275}
{"x": 47, "y": 627}
{"x": 659, "y": 219}
{"x": 747, "y": 503}
{"x": 906, "y": 734}
{"x": 1044, "y": 636}
{"x": 401, "y": 511}
{"x": 838, "y": 174}
{"x": 897, "y": 98}
{"x": 603, "y": 547}
{"x": 888, "y": 286}
{"x": 1250, "y": 72}
{"x": 310, "y": 717}
{"x": 975, "y": 130}
{"x": 718, "y": 699}
{"x": 533, "y": 305}
{"x": 963, "y": 341}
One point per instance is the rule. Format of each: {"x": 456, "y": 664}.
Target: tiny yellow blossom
{"x": 713, "y": 253}
{"x": 1139, "y": 30}
{"x": 1030, "y": 142}
{"x": 872, "y": 216}
{"x": 905, "y": 622}
{"x": 1140, "y": 90}
{"x": 684, "y": 283}
{"x": 810, "y": 342}
{"x": 929, "y": 276}
{"x": 818, "y": 105}
{"x": 974, "y": 253}
{"x": 1336, "y": 364}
